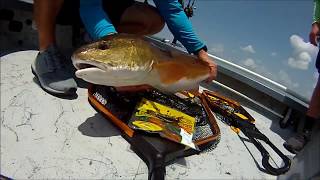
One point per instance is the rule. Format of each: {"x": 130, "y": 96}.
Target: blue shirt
{"x": 98, "y": 24}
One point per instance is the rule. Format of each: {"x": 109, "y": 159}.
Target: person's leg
{"x": 49, "y": 66}
{"x": 296, "y": 143}
{"x": 45, "y": 13}
{"x": 140, "y": 19}
{"x": 314, "y": 106}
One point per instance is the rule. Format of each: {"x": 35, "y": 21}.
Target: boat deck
{"x": 43, "y": 136}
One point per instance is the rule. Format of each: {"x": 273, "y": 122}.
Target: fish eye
{"x": 103, "y": 46}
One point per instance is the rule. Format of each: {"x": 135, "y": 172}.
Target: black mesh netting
{"x": 122, "y": 105}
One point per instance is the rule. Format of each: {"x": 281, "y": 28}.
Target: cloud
{"x": 301, "y": 61}
{"x": 249, "y": 49}
{"x": 250, "y": 63}
{"x": 281, "y": 76}
{"x": 286, "y": 80}
{"x": 255, "y": 66}
{"x": 274, "y": 54}
{"x": 315, "y": 75}
{"x": 217, "y": 49}
{"x": 303, "y": 53}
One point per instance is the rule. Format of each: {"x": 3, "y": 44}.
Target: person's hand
{"x": 313, "y": 34}
{"x": 203, "y": 57}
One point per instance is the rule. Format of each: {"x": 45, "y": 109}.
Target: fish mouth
{"x": 97, "y": 73}
{"x": 88, "y": 70}
{"x": 81, "y": 64}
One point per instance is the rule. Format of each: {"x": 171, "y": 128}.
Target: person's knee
{"x": 141, "y": 19}
{"x": 157, "y": 25}
{"x": 154, "y": 20}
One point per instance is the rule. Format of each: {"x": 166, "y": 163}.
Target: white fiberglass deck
{"x": 47, "y": 137}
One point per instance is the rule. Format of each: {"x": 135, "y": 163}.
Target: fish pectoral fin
{"x": 170, "y": 72}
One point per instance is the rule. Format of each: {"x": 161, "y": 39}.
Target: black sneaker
{"x": 296, "y": 143}
{"x": 50, "y": 69}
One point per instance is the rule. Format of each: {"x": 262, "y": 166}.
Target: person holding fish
{"x": 103, "y": 18}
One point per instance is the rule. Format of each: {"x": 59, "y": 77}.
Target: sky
{"x": 270, "y": 37}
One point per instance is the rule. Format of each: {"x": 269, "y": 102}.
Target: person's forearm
{"x": 179, "y": 24}
{"x": 95, "y": 20}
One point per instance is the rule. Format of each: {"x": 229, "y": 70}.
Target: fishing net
{"x": 122, "y": 105}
